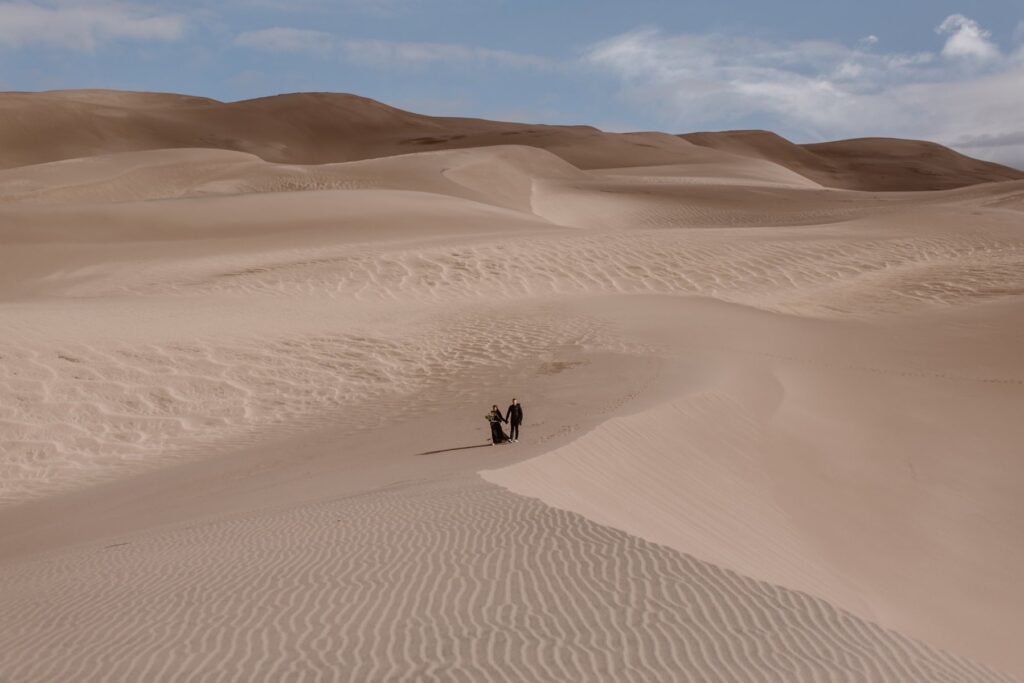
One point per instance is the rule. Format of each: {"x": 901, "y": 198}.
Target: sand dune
{"x": 868, "y": 164}
{"x": 90, "y": 409}
{"x": 307, "y": 128}
{"x": 246, "y": 349}
{"x": 499, "y": 175}
{"x": 455, "y": 580}
{"x": 711, "y": 471}
{"x": 318, "y": 128}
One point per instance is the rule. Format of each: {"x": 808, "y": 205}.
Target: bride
{"x": 497, "y": 433}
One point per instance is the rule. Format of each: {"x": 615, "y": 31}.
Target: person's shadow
{"x": 457, "y": 448}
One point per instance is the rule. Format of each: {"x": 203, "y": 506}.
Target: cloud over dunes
{"x": 383, "y": 53}
{"x": 380, "y": 52}
{"x": 84, "y": 27}
{"x": 818, "y": 89}
{"x": 283, "y": 39}
{"x": 966, "y": 38}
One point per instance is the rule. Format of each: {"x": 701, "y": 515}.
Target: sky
{"x": 942, "y": 70}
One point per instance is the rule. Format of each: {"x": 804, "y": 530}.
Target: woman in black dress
{"x": 495, "y": 418}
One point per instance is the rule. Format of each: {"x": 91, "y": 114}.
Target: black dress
{"x": 497, "y": 434}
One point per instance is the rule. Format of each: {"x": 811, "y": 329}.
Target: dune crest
{"x": 866, "y": 164}
{"x": 318, "y": 128}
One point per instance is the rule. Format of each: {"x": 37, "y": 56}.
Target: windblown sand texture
{"x": 772, "y": 392}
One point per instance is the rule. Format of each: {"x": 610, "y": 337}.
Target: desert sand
{"x": 773, "y": 399}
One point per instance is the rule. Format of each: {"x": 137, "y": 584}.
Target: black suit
{"x": 514, "y": 417}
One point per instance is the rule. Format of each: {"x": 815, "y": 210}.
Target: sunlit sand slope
{"x": 841, "y": 459}
{"x": 195, "y": 349}
{"x": 500, "y": 175}
{"x": 173, "y": 324}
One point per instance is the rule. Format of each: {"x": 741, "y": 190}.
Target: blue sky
{"x": 934, "y": 69}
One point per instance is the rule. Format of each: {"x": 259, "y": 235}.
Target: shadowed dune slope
{"x": 889, "y": 164}
{"x": 307, "y": 128}
{"x": 319, "y": 128}
{"x": 869, "y": 164}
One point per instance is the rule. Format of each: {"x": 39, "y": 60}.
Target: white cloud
{"x": 981, "y": 116}
{"x": 382, "y": 53}
{"x": 700, "y": 79}
{"x": 378, "y": 7}
{"x": 282, "y": 39}
{"x": 820, "y": 89}
{"x": 83, "y": 26}
{"x": 966, "y": 39}
{"x": 904, "y": 60}
{"x": 814, "y": 90}
{"x": 386, "y": 53}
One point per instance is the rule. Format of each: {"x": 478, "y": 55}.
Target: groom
{"x": 514, "y": 417}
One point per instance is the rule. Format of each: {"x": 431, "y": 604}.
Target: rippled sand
{"x": 455, "y": 580}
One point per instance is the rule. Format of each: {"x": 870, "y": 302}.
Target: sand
{"x": 867, "y": 164}
{"x": 772, "y": 414}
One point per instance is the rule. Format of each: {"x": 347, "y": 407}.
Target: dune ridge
{"x": 708, "y": 474}
{"x": 317, "y": 128}
{"x": 307, "y": 128}
{"x": 868, "y": 164}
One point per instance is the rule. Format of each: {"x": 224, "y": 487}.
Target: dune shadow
{"x": 457, "y": 448}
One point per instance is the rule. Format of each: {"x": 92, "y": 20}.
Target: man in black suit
{"x": 514, "y": 417}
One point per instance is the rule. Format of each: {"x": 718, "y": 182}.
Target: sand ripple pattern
{"x": 808, "y": 275}
{"x": 449, "y": 581}
{"x": 73, "y": 414}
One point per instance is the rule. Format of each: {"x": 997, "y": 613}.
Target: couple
{"x": 514, "y": 418}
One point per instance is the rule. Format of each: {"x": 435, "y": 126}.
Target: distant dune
{"x": 317, "y": 128}
{"x": 307, "y": 128}
{"x": 772, "y": 421}
{"x": 870, "y": 164}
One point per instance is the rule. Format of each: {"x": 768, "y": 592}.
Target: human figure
{"x": 514, "y": 418}
{"x": 495, "y": 418}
